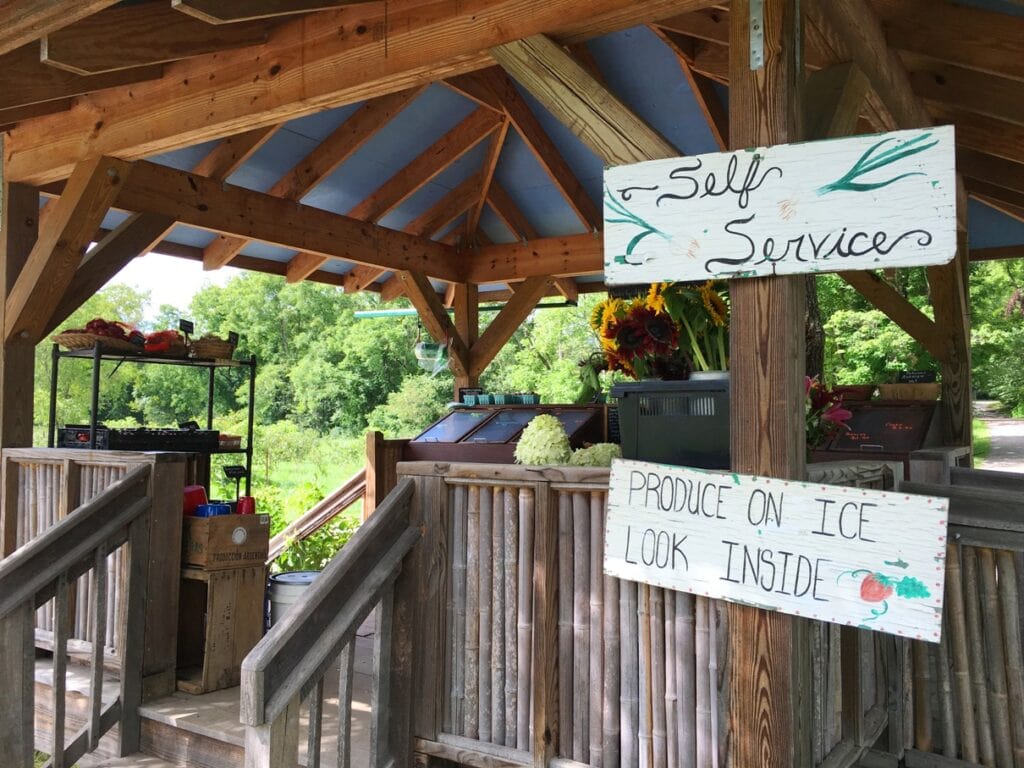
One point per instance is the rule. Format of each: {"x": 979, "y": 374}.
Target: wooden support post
{"x": 505, "y": 324}
{"x": 19, "y": 229}
{"x": 768, "y": 652}
{"x": 467, "y": 322}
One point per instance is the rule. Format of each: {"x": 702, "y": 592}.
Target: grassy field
{"x": 982, "y": 442}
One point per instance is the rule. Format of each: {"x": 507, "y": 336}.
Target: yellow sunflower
{"x": 656, "y": 298}
{"x": 715, "y": 305}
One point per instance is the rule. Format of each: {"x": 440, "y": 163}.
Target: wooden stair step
{"x": 137, "y": 760}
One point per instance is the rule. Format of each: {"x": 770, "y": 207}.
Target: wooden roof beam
{"x": 918, "y": 325}
{"x": 601, "y": 121}
{"x": 305, "y": 68}
{"x": 998, "y": 253}
{"x": 122, "y": 37}
{"x": 202, "y": 202}
{"x": 487, "y": 177}
{"x": 66, "y": 234}
{"x": 220, "y": 12}
{"x": 992, "y": 170}
{"x": 1008, "y": 201}
{"x": 406, "y": 182}
{"x": 25, "y": 21}
{"x": 25, "y": 80}
{"x": 984, "y": 134}
{"x": 435, "y": 319}
{"x": 987, "y": 41}
{"x": 546, "y": 257}
{"x": 140, "y": 232}
{"x": 511, "y": 316}
{"x": 321, "y": 162}
{"x": 496, "y": 82}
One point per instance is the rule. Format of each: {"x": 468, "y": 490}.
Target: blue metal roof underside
{"x": 636, "y": 65}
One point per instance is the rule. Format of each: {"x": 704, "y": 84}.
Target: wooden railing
{"x": 967, "y": 693}
{"x": 42, "y": 486}
{"x": 502, "y": 642}
{"x": 311, "y": 521}
{"x": 289, "y": 666}
{"x": 46, "y": 568}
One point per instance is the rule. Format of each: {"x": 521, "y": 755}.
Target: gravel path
{"x": 1007, "y": 436}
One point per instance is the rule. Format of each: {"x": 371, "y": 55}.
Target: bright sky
{"x": 170, "y": 280}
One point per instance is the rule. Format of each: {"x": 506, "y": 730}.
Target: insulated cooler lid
{"x": 295, "y": 578}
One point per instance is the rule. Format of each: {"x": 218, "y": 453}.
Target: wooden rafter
{"x": 985, "y": 134}
{"x": 25, "y": 21}
{"x": 208, "y": 204}
{"x": 1010, "y": 202}
{"x": 305, "y": 68}
{"x": 321, "y": 162}
{"x": 937, "y": 82}
{"x": 122, "y": 37}
{"x": 24, "y": 80}
{"x": 549, "y": 256}
{"x": 220, "y": 12}
{"x": 715, "y": 113}
{"x": 986, "y": 41}
{"x": 140, "y": 232}
{"x": 504, "y": 93}
{"x": 68, "y": 230}
{"x": 453, "y": 145}
{"x": 511, "y": 316}
{"x": 487, "y": 177}
{"x": 9, "y": 117}
{"x": 998, "y": 253}
{"x": 990, "y": 170}
{"x": 833, "y": 98}
{"x": 601, "y": 121}
{"x": 424, "y": 167}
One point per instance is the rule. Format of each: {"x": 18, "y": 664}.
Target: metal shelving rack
{"x": 98, "y": 355}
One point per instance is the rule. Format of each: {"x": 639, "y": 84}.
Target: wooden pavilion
{"x": 451, "y": 152}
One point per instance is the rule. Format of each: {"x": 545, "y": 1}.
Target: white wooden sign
{"x": 886, "y": 200}
{"x": 865, "y": 558}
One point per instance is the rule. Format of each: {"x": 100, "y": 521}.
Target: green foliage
{"x": 981, "y": 441}
{"x": 420, "y": 401}
{"x": 314, "y": 552}
{"x": 867, "y": 347}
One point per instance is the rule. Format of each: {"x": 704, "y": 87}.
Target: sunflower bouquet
{"x": 674, "y": 329}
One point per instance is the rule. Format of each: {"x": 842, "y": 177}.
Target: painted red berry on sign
{"x": 875, "y": 588}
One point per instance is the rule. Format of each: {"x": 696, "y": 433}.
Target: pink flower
{"x": 836, "y": 414}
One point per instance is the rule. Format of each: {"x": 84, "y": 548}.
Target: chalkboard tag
{"x": 915, "y": 377}
{"x": 186, "y": 326}
{"x": 233, "y": 338}
{"x": 235, "y": 471}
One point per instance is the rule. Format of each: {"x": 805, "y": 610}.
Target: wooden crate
{"x": 225, "y": 541}
{"x": 219, "y": 621}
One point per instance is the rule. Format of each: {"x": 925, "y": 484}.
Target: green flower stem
{"x": 699, "y": 360}
{"x": 723, "y": 356}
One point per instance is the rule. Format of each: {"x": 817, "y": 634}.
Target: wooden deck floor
{"x": 204, "y": 731}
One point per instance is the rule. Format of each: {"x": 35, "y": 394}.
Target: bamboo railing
{"x": 44, "y": 572}
{"x": 541, "y": 658}
{"x": 285, "y": 673}
{"x": 967, "y": 693}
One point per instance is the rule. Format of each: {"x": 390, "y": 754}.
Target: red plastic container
{"x": 246, "y": 505}
{"x": 194, "y": 496}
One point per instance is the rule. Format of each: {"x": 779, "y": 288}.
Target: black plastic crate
{"x": 142, "y": 439}
{"x": 685, "y": 423}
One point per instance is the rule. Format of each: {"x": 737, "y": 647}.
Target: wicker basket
{"x": 75, "y": 340}
{"x": 915, "y": 391}
{"x": 211, "y": 348}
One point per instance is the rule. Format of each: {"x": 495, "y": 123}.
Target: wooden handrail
{"x": 289, "y": 660}
{"x": 351, "y": 491}
{"x": 46, "y": 568}
{"x": 67, "y": 547}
